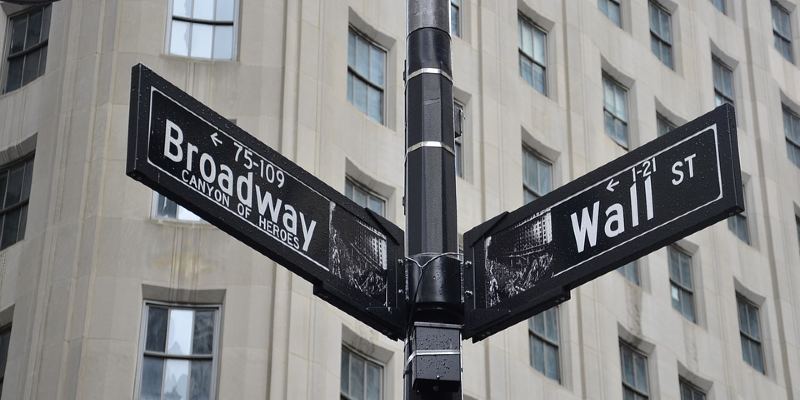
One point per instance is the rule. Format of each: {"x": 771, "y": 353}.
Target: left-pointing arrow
{"x": 611, "y": 184}
{"x": 215, "y": 139}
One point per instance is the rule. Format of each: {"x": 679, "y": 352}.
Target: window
{"x": 750, "y": 333}
{"x": 364, "y": 197}
{"x": 664, "y": 124}
{"x": 360, "y": 378}
{"x": 180, "y": 345}
{"x": 738, "y": 223}
{"x": 615, "y": 110}
{"x": 631, "y": 272}
{"x": 537, "y": 175}
{"x": 544, "y": 340}
{"x": 203, "y": 29}
{"x": 661, "y": 33}
{"x": 458, "y": 124}
{"x": 635, "y": 384}
{"x": 690, "y": 391}
{"x": 782, "y": 31}
{"x": 5, "y": 338}
{"x": 612, "y": 10}
{"x": 723, "y": 83}
{"x": 681, "y": 282}
{"x": 15, "y": 189}
{"x": 366, "y": 71}
{"x": 164, "y": 208}
{"x": 721, "y": 5}
{"x": 791, "y": 128}
{"x": 27, "y": 50}
{"x": 533, "y": 54}
{"x": 797, "y": 223}
{"x": 455, "y": 17}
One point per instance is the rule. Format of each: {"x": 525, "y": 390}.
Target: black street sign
{"x": 526, "y": 261}
{"x": 184, "y": 150}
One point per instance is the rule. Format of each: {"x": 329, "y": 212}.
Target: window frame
{"x": 742, "y": 300}
{"x": 456, "y": 5}
{"x": 155, "y": 215}
{"x": 23, "y": 202}
{"x": 721, "y": 6}
{"x": 626, "y": 346}
{"x": 784, "y": 37}
{"x": 793, "y": 144}
{"x": 216, "y": 345}
{"x": 658, "y": 37}
{"x": 730, "y": 98}
{"x": 533, "y": 335}
{"x": 234, "y": 24}
{"x": 661, "y": 122}
{"x": 3, "y": 330}
{"x": 616, "y": 86}
{"x": 529, "y": 152}
{"x": 531, "y": 58}
{"x": 693, "y": 389}
{"x": 631, "y": 272}
{"x": 797, "y": 226}
{"x": 367, "y": 191}
{"x": 352, "y": 70}
{"x": 458, "y": 141}
{"x": 42, "y": 44}
{"x": 677, "y": 283}
{"x": 740, "y": 219}
{"x": 367, "y": 360}
{"x": 616, "y": 3}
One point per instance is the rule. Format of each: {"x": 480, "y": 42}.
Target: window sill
{"x": 200, "y": 60}
{"x": 21, "y": 88}
{"x": 174, "y": 222}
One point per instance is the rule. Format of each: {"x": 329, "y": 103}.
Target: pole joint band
{"x": 430, "y": 143}
{"x": 429, "y": 71}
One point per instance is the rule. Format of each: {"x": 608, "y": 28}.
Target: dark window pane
{"x": 34, "y": 29}
{"x": 156, "y": 329}
{"x": 18, "y": 34}
{"x": 14, "y": 191}
{"x": 373, "y": 382}
{"x": 3, "y": 181}
{"x": 344, "y": 380}
{"x": 14, "y": 78}
{"x": 10, "y": 229}
{"x": 46, "y": 23}
{"x": 42, "y": 60}
{"x": 26, "y": 183}
{"x": 538, "y": 354}
{"x": 200, "y": 380}
{"x": 551, "y": 362}
{"x": 152, "y": 371}
{"x": 203, "y": 340}
{"x": 165, "y": 207}
{"x": 357, "y": 377}
{"x": 31, "y": 70}
{"x": 5, "y": 337}
{"x": 23, "y": 220}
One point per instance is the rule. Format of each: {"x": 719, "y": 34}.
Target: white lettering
{"x": 171, "y": 142}
{"x": 617, "y": 218}
{"x": 588, "y": 226}
{"x": 308, "y": 231}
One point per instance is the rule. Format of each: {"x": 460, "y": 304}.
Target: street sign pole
{"x": 433, "y": 357}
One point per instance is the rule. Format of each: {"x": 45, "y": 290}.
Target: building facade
{"x": 109, "y": 291}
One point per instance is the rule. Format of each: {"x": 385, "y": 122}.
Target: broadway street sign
{"x": 526, "y": 261}
{"x": 194, "y": 156}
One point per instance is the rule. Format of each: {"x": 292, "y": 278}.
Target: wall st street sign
{"x": 526, "y": 261}
{"x": 184, "y": 150}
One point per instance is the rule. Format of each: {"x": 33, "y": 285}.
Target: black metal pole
{"x": 433, "y": 343}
